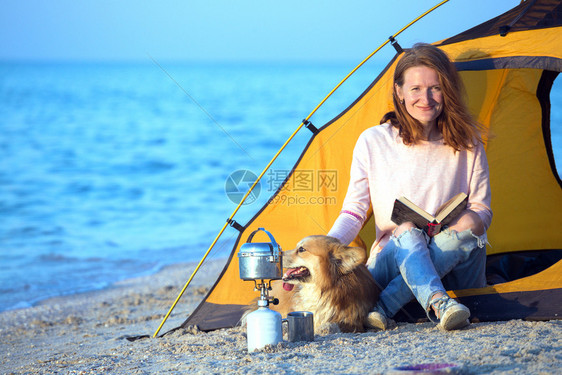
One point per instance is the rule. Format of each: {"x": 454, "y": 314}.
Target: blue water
{"x": 109, "y": 171}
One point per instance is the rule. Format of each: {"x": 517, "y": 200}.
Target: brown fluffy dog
{"x": 328, "y": 279}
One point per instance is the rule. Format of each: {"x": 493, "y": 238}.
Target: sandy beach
{"x": 86, "y": 334}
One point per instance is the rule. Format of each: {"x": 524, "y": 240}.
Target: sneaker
{"x": 451, "y": 314}
{"x": 377, "y": 319}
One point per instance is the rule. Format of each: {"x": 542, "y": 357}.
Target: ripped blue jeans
{"x": 414, "y": 265}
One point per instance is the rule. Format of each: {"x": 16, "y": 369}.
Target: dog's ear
{"x": 349, "y": 257}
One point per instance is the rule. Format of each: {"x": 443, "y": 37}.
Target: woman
{"x": 428, "y": 150}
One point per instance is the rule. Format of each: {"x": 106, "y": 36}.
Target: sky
{"x": 225, "y": 30}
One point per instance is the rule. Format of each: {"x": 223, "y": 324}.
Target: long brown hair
{"x": 455, "y": 122}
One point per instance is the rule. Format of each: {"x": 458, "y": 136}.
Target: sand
{"x": 86, "y": 334}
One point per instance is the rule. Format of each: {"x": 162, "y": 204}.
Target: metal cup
{"x": 300, "y": 326}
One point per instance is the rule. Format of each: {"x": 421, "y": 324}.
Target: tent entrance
{"x": 501, "y": 268}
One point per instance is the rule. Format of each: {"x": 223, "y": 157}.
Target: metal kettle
{"x": 260, "y": 260}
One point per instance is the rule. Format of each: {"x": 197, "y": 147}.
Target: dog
{"x": 330, "y": 280}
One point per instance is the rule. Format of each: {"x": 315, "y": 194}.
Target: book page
{"x": 458, "y": 201}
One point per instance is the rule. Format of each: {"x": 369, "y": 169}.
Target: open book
{"x": 405, "y": 210}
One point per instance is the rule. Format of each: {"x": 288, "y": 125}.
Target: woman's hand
{"x": 468, "y": 220}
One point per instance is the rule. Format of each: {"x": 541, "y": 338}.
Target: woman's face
{"x": 421, "y": 93}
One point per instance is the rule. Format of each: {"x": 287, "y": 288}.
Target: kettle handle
{"x": 275, "y": 246}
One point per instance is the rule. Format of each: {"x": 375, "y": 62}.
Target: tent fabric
{"x": 508, "y": 80}
{"x": 529, "y": 15}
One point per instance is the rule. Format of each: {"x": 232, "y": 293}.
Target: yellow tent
{"x": 508, "y": 65}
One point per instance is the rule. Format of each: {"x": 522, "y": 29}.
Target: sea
{"x": 114, "y": 170}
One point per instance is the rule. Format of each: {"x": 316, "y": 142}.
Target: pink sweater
{"x": 429, "y": 174}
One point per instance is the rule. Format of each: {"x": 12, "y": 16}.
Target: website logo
{"x": 237, "y": 185}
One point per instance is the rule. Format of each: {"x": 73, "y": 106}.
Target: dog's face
{"x": 319, "y": 259}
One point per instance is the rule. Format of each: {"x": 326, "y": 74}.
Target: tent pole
{"x": 279, "y": 152}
